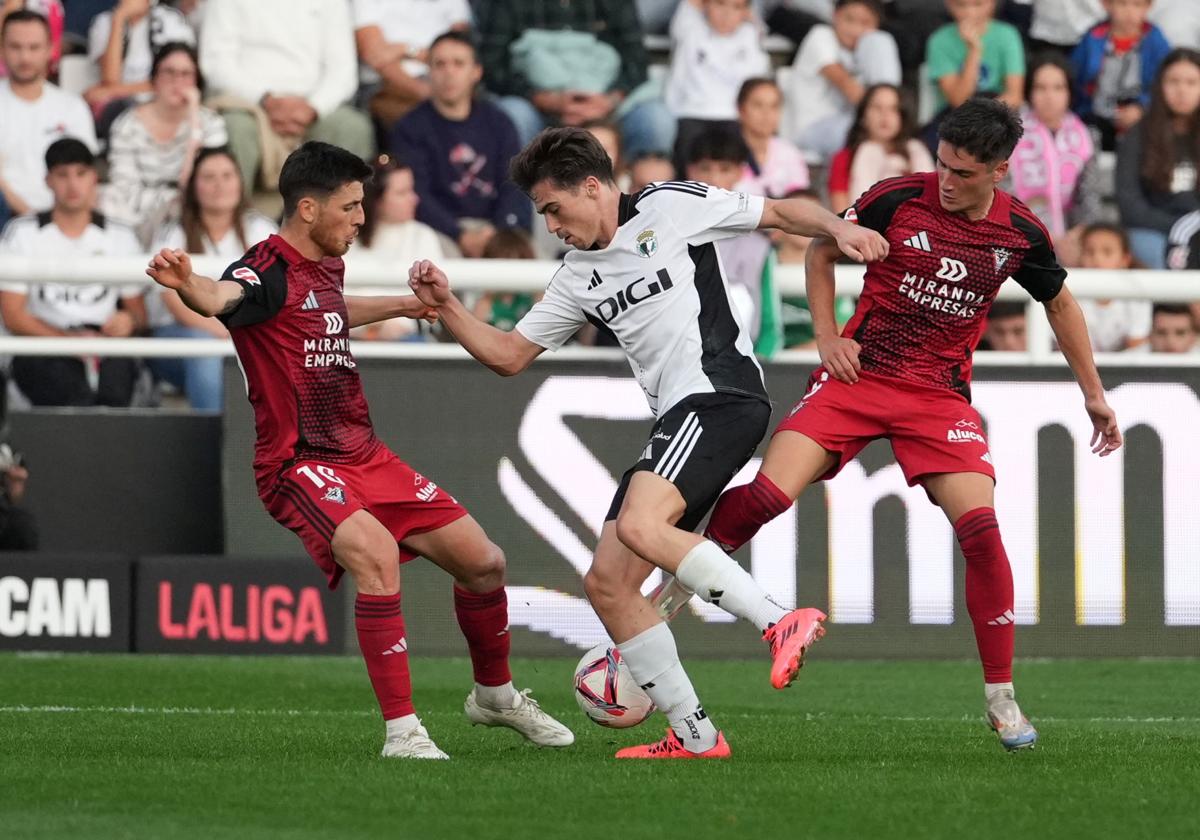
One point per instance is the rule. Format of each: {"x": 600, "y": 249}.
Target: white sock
{"x": 991, "y": 688}
{"x": 654, "y": 662}
{"x": 400, "y": 725}
{"x": 496, "y": 697}
{"x": 719, "y": 579}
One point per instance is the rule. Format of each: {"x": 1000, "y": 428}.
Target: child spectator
{"x": 976, "y": 54}
{"x": 215, "y": 219}
{"x": 1157, "y": 159}
{"x": 776, "y": 167}
{"x": 833, "y": 69}
{"x": 650, "y": 168}
{"x": 1005, "y": 330}
{"x": 795, "y": 317}
{"x": 716, "y": 46}
{"x": 1173, "y": 329}
{"x": 1112, "y": 324}
{"x": 881, "y": 144}
{"x": 1053, "y": 169}
{"x": 152, "y": 146}
{"x": 1115, "y": 64}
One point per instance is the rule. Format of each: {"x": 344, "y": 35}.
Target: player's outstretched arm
{"x": 803, "y": 217}
{"x": 369, "y": 309}
{"x": 839, "y": 355}
{"x": 1070, "y": 328}
{"x": 507, "y": 353}
{"x": 173, "y": 270}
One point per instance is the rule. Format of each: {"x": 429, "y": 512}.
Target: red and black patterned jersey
{"x": 293, "y": 344}
{"x": 923, "y": 309}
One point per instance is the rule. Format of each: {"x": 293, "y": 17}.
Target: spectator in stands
{"x": 1183, "y": 243}
{"x": 1005, "y": 330}
{"x": 1115, "y": 65}
{"x": 715, "y": 47}
{"x": 1057, "y": 26}
{"x": 123, "y": 43}
{"x": 18, "y": 528}
{"x": 55, "y": 15}
{"x": 881, "y": 144}
{"x": 1054, "y": 167}
{"x": 1173, "y": 329}
{"x": 503, "y": 309}
{"x": 33, "y": 113}
{"x": 1157, "y": 159}
{"x": 215, "y": 220}
{"x": 572, "y": 64}
{"x": 776, "y": 167}
{"x": 281, "y": 72}
{"x": 650, "y": 168}
{"x": 391, "y": 230}
{"x": 152, "y": 146}
{"x": 1113, "y": 325}
{"x": 833, "y": 69}
{"x": 718, "y": 157}
{"x": 72, "y": 228}
{"x": 976, "y": 54}
{"x": 393, "y": 38}
{"x": 608, "y": 135}
{"x": 459, "y": 149}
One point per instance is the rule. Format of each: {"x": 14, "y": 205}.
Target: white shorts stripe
{"x": 687, "y": 441}
{"x": 685, "y": 454}
{"x": 687, "y": 421}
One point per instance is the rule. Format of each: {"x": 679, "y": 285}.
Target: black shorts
{"x": 699, "y": 446}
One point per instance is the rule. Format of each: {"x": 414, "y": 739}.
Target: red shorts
{"x": 932, "y": 430}
{"x": 312, "y": 498}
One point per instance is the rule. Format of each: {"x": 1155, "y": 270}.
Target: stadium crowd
{"x": 142, "y": 124}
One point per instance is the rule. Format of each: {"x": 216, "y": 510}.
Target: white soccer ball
{"x": 607, "y": 692}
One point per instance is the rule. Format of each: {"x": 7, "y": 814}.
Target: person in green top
{"x": 976, "y": 54}
{"x": 501, "y": 309}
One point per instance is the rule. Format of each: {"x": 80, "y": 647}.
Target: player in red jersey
{"x": 320, "y": 469}
{"x": 901, "y": 368}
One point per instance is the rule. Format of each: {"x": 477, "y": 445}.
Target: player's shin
{"x": 989, "y": 593}
{"x": 742, "y": 511}
{"x": 483, "y": 619}
{"x": 653, "y": 661}
{"x": 719, "y": 579}
{"x": 381, "y": 637}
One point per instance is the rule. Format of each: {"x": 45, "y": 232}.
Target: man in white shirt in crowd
{"x": 33, "y": 113}
{"x": 72, "y": 228}
{"x": 281, "y": 72}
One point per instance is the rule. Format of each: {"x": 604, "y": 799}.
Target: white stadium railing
{"x": 373, "y": 276}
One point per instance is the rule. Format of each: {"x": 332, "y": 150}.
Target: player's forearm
{"x": 821, "y": 285}
{"x": 488, "y": 345}
{"x": 203, "y": 296}
{"x": 801, "y": 217}
{"x": 369, "y": 309}
{"x": 1070, "y": 328}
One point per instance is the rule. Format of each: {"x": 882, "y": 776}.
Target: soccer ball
{"x": 606, "y": 691}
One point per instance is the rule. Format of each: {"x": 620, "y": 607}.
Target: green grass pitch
{"x": 210, "y": 747}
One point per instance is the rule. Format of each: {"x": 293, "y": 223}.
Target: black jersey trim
{"x": 694, "y": 188}
{"x": 723, "y": 363}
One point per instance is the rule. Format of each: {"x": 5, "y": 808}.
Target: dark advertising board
{"x": 202, "y": 604}
{"x": 64, "y": 602}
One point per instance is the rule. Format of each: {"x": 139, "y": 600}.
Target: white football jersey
{"x": 660, "y": 287}
{"x": 69, "y": 305}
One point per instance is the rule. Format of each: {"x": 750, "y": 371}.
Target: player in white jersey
{"x": 645, "y": 266}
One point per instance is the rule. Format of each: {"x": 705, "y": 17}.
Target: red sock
{"x": 989, "y": 591}
{"x": 380, "y": 626}
{"x": 483, "y": 618}
{"x": 742, "y": 511}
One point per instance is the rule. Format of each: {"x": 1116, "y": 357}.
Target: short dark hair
{"x": 1006, "y": 309}
{"x": 317, "y": 170}
{"x": 456, "y": 37}
{"x": 67, "y": 150}
{"x": 1050, "y": 59}
{"x": 752, "y": 84}
{"x": 1173, "y": 309}
{"x": 987, "y": 129}
{"x": 723, "y": 144}
{"x": 875, "y": 6}
{"x": 564, "y": 156}
{"x": 168, "y": 50}
{"x": 24, "y": 16}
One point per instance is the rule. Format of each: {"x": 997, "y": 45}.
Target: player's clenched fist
{"x": 429, "y": 283}
{"x": 860, "y": 243}
{"x": 840, "y": 357}
{"x": 170, "y": 268}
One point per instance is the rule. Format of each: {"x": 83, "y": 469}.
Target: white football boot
{"x": 1014, "y": 729}
{"x": 526, "y": 717}
{"x": 413, "y": 743}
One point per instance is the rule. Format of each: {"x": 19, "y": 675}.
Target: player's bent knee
{"x": 487, "y": 573}
{"x": 635, "y": 531}
{"x": 365, "y": 549}
{"x": 604, "y": 586}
